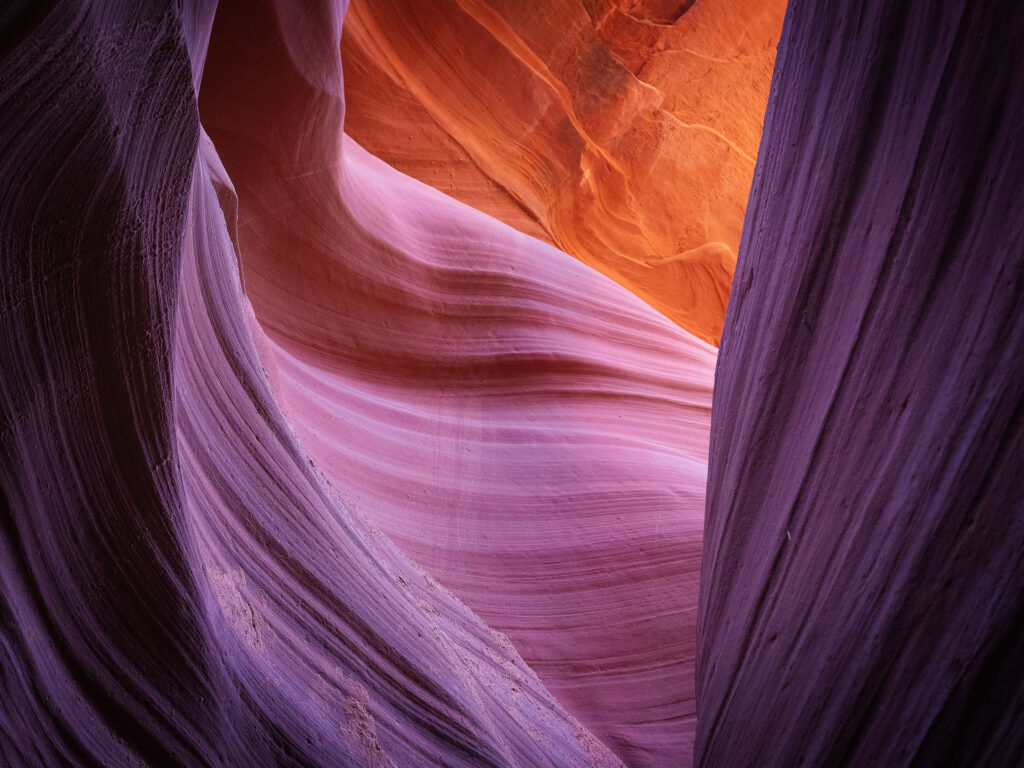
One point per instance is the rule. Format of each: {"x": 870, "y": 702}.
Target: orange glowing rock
{"x": 623, "y": 132}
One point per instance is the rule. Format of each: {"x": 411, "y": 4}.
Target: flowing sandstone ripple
{"x": 531, "y": 433}
{"x": 180, "y": 584}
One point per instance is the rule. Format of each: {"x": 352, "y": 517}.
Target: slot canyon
{"x": 590, "y": 383}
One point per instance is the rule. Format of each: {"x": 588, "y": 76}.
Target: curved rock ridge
{"x": 178, "y": 586}
{"x": 862, "y": 592}
{"x": 531, "y": 433}
{"x": 623, "y": 132}
{"x": 562, "y": 486}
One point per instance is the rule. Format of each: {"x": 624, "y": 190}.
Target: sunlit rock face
{"x": 862, "y": 593}
{"x": 623, "y": 132}
{"x": 531, "y": 433}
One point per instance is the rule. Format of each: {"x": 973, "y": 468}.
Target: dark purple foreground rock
{"x": 862, "y": 598}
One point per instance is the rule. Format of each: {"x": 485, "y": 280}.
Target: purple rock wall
{"x": 862, "y": 597}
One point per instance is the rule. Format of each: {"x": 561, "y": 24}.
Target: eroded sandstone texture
{"x": 862, "y": 594}
{"x": 532, "y": 434}
{"x": 178, "y": 586}
{"x": 218, "y": 379}
{"x": 250, "y": 373}
{"x": 623, "y": 131}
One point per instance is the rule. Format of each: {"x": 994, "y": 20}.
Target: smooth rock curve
{"x": 529, "y": 432}
{"x": 177, "y": 584}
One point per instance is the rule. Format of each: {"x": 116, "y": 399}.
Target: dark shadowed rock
{"x": 862, "y": 596}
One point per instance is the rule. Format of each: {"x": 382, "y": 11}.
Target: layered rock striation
{"x": 529, "y": 432}
{"x": 862, "y": 592}
{"x": 178, "y": 584}
{"x": 244, "y": 377}
{"x": 623, "y": 132}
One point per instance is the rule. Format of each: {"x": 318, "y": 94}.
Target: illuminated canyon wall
{"x": 231, "y": 360}
{"x": 623, "y": 132}
{"x": 529, "y": 432}
{"x": 179, "y": 585}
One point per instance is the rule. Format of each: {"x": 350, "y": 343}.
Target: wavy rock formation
{"x": 624, "y": 132}
{"x": 177, "y": 583}
{"x": 862, "y": 598}
{"x": 528, "y": 431}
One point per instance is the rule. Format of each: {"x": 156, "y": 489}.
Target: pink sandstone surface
{"x": 226, "y": 384}
{"x": 529, "y": 432}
